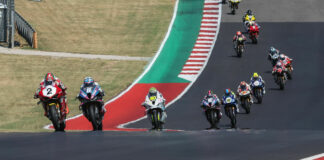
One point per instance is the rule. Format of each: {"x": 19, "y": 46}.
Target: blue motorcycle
{"x": 257, "y": 89}
{"x": 91, "y": 103}
{"x": 230, "y": 109}
{"x": 212, "y": 111}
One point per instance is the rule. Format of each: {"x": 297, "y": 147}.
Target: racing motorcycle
{"x": 253, "y": 35}
{"x": 91, "y": 104}
{"x": 155, "y": 112}
{"x": 50, "y": 96}
{"x": 245, "y": 100}
{"x": 240, "y": 47}
{"x": 233, "y": 5}
{"x": 288, "y": 65}
{"x": 211, "y": 111}
{"x": 280, "y": 77}
{"x": 230, "y": 110}
{"x": 257, "y": 90}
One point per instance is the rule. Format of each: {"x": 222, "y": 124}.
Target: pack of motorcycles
{"x": 90, "y": 107}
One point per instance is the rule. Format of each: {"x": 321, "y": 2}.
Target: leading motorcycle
{"x": 91, "y": 104}
{"x": 155, "y": 112}
{"x": 50, "y": 96}
{"x": 233, "y": 5}
{"x": 245, "y": 99}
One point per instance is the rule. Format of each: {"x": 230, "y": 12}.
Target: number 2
{"x": 49, "y": 91}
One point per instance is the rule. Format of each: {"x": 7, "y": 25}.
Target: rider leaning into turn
{"x": 243, "y": 86}
{"x": 89, "y": 82}
{"x": 50, "y": 79}
{"x": 257, "y": 77}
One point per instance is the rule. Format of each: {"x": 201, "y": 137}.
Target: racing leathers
{"x": 152, "y": 97}
{"x": 63, "y": 99}
{"x": 245, "y": 87}
{"x": 233, "y": 96}
{"x": 205, "y": 104}
{"x": 236, "y": 41}
{"x": 100, "y": 95}
{"x": 259, "y": 78}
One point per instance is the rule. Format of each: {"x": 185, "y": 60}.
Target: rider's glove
{"x": 35, "y": 96}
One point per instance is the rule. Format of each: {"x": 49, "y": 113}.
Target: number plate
{"x": 49, "y": 91}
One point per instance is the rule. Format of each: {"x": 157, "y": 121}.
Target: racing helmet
{"x": 249, "y": 12}
{"x": 243, "y": 85}
{"x": 209, "y": 94}
{"x": 281, "y": 57}
{"x": 238, "y": 33}
{"x": 152, "y": 94}
{"x": 227, "y": 91}
{"x": 88, "y": 81}
{"x": 49, "y": 78}
{"x": 272, "y": 50}
{"x": 255, "y": 75}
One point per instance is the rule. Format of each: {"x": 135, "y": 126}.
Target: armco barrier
{"x": 25, "y": 30}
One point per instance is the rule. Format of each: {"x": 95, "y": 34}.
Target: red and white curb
{"x": 200, "y": 53}
{"x": 316, "y": 157}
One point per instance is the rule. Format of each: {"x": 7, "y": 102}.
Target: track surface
{"x": 288, "y": 125}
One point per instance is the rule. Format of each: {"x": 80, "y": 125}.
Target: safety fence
{"x": 25, "y": 30}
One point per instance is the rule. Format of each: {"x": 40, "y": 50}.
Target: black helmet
{"x": 249, "y": 12}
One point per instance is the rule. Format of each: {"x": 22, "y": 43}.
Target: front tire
{"x": 93, "y": 113}
{"x": 54, "y": 117}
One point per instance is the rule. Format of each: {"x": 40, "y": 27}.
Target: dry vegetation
{"x": 20, "y": 77}
{"x": 116, "y": 27}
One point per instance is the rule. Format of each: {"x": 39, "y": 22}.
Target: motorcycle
{"x": 288, "y": 65}
{"x": 230, "y": 110}
{"x": 257, "y": 90}
{"x": 91, "y": 104}
{"x": 280, "y": 78}
{"x": 155, "y": 112}
{"x": 233, "y": 5}
{"x": 211, "y": 111}
{"x": 50, "y": 97}
{"x": 253, "y": 35}
{"x": 240, "y": 47}
{"x": 245, "y": 100}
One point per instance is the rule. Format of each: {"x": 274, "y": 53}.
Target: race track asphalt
{"x": 288, "y": 124}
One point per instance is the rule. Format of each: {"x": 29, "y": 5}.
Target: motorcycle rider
{"x": 232, "y": 1}
{"x": 243, "y": 86}
{"x": 254, "y": 28}
{"x": 51, "y": 79}
{"x": 273, "y": 55}
{"x": 257, "y": 77}
{"x": 229, "y": 93}
{"x": 286, "y": 60}
{"x": 236, "y": 37}
{"x": 279, "y": 65}
{"x": 89, "y": 82}
{"x": 248, "y": 16}
{"x": 155, "y": 94}
{"x": 210, "y": 94}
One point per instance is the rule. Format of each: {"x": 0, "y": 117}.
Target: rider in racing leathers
{"x": 229, "y": 93}
{"x": 210, "y": 94}
{"x": 89, "y": 82}
{"x": 236, "y": 37}
{"x": 153, "y": 95}
{"x": 245, "y": 87}
{"x": 256, "y": 77}
{"x": 50, "y": 79}
{"x": 273, "y": 55}
{"x": 248, "y": 16}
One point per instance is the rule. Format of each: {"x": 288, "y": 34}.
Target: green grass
{"x": 21, "y": 75}
{"x": 114, "y": 27}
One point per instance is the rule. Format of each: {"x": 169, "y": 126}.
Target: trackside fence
{"x": 25, "y": 30}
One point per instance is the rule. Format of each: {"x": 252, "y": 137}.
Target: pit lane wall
{"x": 181, "y": 58}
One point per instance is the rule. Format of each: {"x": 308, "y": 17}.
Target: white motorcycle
{"x": 155, "y": 111}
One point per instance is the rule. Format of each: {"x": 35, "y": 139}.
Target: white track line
{"x": 314, "y": 157}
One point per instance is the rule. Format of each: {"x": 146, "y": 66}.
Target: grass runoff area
{"x": 112, "y": 27}
{"x": 21, "y": 75}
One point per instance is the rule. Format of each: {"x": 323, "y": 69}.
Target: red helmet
{"x": 49, "y": 78}
{"x": 243, "y": 83}
{"x": 238, "y": 33}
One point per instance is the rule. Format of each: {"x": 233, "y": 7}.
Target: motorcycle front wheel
{"x": 54, "y": 117}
